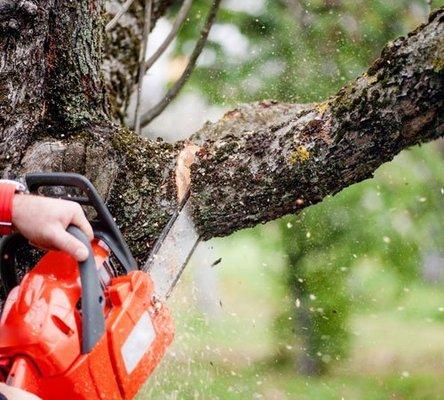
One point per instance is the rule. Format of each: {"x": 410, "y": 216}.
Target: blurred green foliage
{"x": 393, "y": 222}
{"x": 298, "y": 50}
{"x": 303, "y": 51}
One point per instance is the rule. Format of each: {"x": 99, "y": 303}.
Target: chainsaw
{"x": 95, "y": 329}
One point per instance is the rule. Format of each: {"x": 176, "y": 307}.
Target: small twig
{"x": 111, "y": 24}
{"x": 181, "y": 16}
{"x": 142, "y": 55}
{"x": 172, "y": 93}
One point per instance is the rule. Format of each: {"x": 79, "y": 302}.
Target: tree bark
{"x": 264, "y": 160}
{"x": 64, "y": 88}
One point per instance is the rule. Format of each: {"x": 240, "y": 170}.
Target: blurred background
{"x": 343, "y": 301}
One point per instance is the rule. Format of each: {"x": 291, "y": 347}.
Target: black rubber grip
{"x": 93, "y": 320}
{"x": 104, "y": 226}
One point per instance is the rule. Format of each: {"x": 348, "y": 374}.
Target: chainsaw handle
{"x": 104, "y": 226}
{"x": 93, "y": 320}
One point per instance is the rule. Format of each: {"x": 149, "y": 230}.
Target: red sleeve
{"x": 7, "y": 192}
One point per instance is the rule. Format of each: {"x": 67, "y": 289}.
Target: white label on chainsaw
{"x": 138, "y": 342}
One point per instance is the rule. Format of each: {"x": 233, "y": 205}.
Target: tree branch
{"x": 125, "y": 7}
{"x": 142, "y": 70}
{"x": 264, "y": 160}
{"x": 181, "y": 16}
{"x": 267, "y": 159}
{"x": 174, "y": 91}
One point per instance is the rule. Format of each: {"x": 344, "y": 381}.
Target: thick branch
{"x": 265, "y": 160}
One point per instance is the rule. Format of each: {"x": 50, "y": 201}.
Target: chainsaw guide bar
{"x": 172, "y": 251}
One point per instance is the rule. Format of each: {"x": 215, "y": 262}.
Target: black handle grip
{"x": 105, "y": 227}
{"x": 93, "y": 320}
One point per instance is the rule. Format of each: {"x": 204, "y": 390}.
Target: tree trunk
{"x": 65, "y": 85}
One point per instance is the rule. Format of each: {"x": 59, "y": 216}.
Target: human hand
{"x": 43, "y": 221}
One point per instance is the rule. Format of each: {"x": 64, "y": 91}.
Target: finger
{"x": 79, "y": 220}
{"x": 64, "y": 241}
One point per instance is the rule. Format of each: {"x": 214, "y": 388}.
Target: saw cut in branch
{"x": 181, "y": 16}
{"x": 173, "y": 92}
{"x": 143, "y": 50}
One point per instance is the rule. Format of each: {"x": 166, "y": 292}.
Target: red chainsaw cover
{"x": 40, "y": 333}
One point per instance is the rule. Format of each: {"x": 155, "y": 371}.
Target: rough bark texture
{"x": 64, "y": 88}
{"x": 268, "y": 159}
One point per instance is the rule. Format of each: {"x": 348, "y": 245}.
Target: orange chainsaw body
{"x": 41, "y": 329}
